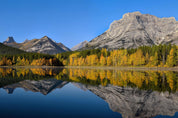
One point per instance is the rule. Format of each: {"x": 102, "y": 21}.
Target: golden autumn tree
{"x": 18, "y": 61}
{"x": 113, "y": 55}
{"x": 124, "y": 61}
{"x": 139, "y": 58}
{"x": 91, "y": 60}
{"x": 81, "y": 61}
{"x": 153, "y": 61}
{"x": 102, "y": 60}
{"x": 171, "y": 59}
{"x": 94, "y": 60}
{"x": 73, "y": 59}
{"x": 5, "y": 62}
{"x": 109, "y": 61}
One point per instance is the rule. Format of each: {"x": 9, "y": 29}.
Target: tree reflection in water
{"x": 131, "y": 93}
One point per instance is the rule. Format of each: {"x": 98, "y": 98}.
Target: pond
{"x": 87, "y": 93}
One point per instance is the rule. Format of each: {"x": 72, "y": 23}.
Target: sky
{"x": 72, "y": 21}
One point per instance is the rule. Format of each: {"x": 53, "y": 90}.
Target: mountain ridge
{"x": 79, "y": 46}
{"x": 136, "y": 29}
{"x": 43, "y": 45}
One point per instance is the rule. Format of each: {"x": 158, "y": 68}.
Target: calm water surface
{"x": 87, "y": 93}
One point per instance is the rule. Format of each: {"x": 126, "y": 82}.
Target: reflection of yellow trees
{"x": 22, "y": 72}
{"x": 43, "y": 72}
{"x": 91, "y": 74}
{"x": 124, "y": 78}
{"x": 64, "y": 71}
{"x": 137, "y": 78}
{"x": 109, "y": 74}
{"x": 5, "y": 71}
{"x": 153, "y": 77}
{"x": 38, "y": 71}
{"x": 102, "y": 74}
{"x": 159, "y": 80}
{"x": 171, "y": 79}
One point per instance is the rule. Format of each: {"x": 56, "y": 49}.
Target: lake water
{"x": 87, "y": 93}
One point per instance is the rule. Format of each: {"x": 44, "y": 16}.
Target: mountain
{"x": 63, "y": 46}
{"x": 9, "y": 40}
{"x": 79, "y": 46}
{"x": 136, "y": 29}
{"x": 135, "y": 103}
{"x": 4, "y": 49}
{"x": 44, "y": 45}
{"x": 42, "y": 86}
{"x": 26, "y": 40}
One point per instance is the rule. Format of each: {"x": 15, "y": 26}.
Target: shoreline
{"x": 126, "y": 68}
{"x": 103, "y": 67}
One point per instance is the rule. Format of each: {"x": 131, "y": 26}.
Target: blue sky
{"x": 72, "y": 21}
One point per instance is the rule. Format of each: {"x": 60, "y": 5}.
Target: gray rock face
{"x": 79, "y": 46}
{"x": 63, "y": 47}
{"x": 44, "y": 45}
{"x": 136, "y": 29}
{"x": 134, "y": 103}
{"x": 9, "y": 40}
{"x": 42, "y": 86}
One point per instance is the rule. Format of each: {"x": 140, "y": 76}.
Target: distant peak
{"x": 85, "y": 41}
{"x": 45, "y": 37}
{"x": 9, "y": 40}
{"x": 26, "y": 41}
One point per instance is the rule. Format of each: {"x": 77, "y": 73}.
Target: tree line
{"x": 151, "y": 56}
{"x": 25, "y": 59}
{"x": 161, "y": 55}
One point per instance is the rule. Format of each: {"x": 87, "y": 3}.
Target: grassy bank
{"x": 126, "y": 68}
{"x": 102, "y": 67}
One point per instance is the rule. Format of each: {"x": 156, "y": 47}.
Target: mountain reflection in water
{"x": 140, "y": 94}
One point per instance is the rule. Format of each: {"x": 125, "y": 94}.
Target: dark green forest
{"x": 9, "y": 50}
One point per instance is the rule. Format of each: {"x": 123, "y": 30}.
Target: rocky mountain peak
{"x": 9, "y": 40}
{"x": 44, "y": 45}
{"x": 26, "y": 40}
{"x": 136, "y": 29}
{"x": 45, "y": 37}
